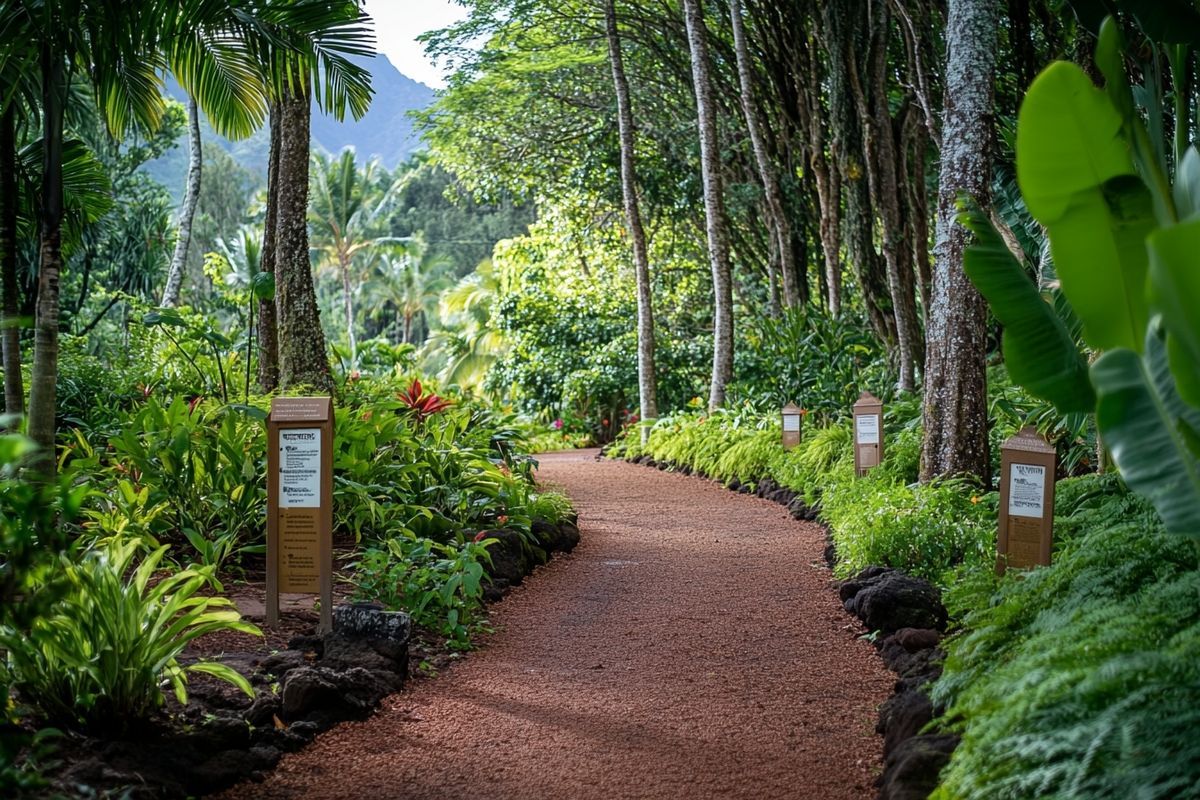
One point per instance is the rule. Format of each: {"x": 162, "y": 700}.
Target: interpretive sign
{"x": 1027, "y": 465}
{"x": 300, "y": 502}
{"x": 868, "y": 433}
{"x": 791, "y": 416}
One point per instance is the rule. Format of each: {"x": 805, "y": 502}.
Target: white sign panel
{"x": 791, "y": 423}
{"x": 866, "y": 428}
{"x": 300, "y": 468}
{"x": 1026, "y": 490}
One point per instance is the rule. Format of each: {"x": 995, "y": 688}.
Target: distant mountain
{"x": 384, "y": 131}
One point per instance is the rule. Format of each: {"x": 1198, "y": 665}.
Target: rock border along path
{"x": 691, "y": 647}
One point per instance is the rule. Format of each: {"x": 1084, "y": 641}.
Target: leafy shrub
{"x": 926, "y": 530}
{"x": 805, "y": 355}
{"x": 439, "y": 585}
{"x": 1082, "y": 679}
{"x": 206, "y": 464}
{"x": 101, "y": 654}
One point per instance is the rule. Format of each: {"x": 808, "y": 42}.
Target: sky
{"x": 399, "y": 22}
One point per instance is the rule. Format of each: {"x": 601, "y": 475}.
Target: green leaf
{"x": 1038, "y": 349}
{"x": 1187, "y": 185}
{"x": 263, "y": 286}
{"x": 164, "y": 316}
{"x": 225, "y": 673}
{"x": 1147, "y": 427}
{"x": 1078, "y": 180}
{"x": 1175, "y": 290}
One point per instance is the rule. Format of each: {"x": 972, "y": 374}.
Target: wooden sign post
{"x": 868, "y": 433}
{"x": 1027, "y": 467}
{"x": 791, "y": 414}
{"x": 300, "y": 502}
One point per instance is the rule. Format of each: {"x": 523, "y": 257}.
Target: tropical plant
{"x": 100, "y": 657}
{"x": 1123, "y": 242}
{"x": 439, "y": 585}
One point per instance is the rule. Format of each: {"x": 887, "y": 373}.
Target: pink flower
{"x": 479, "y": 537}
{"x": 558, "y": 423}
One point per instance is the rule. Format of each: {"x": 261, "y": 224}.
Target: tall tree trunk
{"x": 348, "y": 306}
{"x": 187, "y": 213}
{"x": 302, "y": 357}
{"x": 268, "y": 335}
{"x": 714, "y": 205}
{"x": 647, "y": 382}
{"x": 14, "y": 390}
{"x": 955, "y": 412}
{"x": 844, "y": 24}
{"x": 883, "y": 165}
{"x": 43, "y": 400}
{"x": 781, "y": 228}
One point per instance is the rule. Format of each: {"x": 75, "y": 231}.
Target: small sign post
{"x": 1027, "y": 467}
{"x": 300, "y": 502}
{"x": 791, "y": 415}
{"x": 868, "y": 433}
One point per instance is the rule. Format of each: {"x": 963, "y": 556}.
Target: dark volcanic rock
{"x": 892, "y": 600}
{"x": 370, "y": 621}
{"x": 326, "y": 697}
{"x": 911, "y": 770}
{"x": 903, "y": 716}
{"x": 509, "y": 559}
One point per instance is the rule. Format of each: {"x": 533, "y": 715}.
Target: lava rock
{"x": 385, "y": 659}
{"x": 326, "y": 697}
{"x": 892, "y": 600}
{"x": 307, "y": 643}
{"x": 509, "y": 560}
{"x": 263, "y": 711}
{"x": 370, "y": 621}
{"x": 284, "y": 661}
{"x": 561, "y": 537}
{"x": 902, "y": 716}
{"x": 911, "y": 770}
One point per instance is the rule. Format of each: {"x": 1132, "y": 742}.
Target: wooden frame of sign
{"x": 792, "y": 419}
{"x": 300, "y": 502}
{"x": 868, "y": 433}
{"x": 1027, "y": 470}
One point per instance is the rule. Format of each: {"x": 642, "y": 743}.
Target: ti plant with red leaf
{"x": 423, "y": 404}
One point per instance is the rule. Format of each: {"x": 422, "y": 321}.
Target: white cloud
{"x": 399, "y": 22}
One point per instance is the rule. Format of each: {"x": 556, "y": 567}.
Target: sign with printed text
{"x": 866, "y": 428}
{"x": 300, "y": 502}
{"x": 1026, "y": 490}
{"x": 791, "y": 423}
{"x": 1025, "y": 535}
{"x": 300, "y": 468}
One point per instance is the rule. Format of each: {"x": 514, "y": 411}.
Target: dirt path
{"x": 691, "y": 647}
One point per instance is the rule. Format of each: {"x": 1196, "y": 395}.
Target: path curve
{"x": 690, "y": 647}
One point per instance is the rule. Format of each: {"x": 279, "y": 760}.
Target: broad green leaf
{"x": 1175, "y": 290}
{"x": 1187, "y": 185}
{"x": 1038, "y": 349}
{"x": 264, "y": 286}
{"x": 1147, "y": 427}
{"x": 1078, "y": 180}
{"x": 225, "y": 673}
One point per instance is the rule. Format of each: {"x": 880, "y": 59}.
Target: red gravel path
{"x": 691, "y": 647}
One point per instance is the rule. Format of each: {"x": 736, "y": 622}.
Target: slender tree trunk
{"x": 14, "y": 391}
{"x": 43, "y": 400}
{"x": 883, "y": 165}
{"x": 302, "y": 357}
{"x": 408, "y": 320}
{"x": 714, "y": 205}
{"x": 844, "y": 23}
{"x": 187, "y": 213}
{"x": 268, "y": 337}
{"x": 955, "y": 412}
{"x": 915, "y": 142}
{"x": 647, "y": 382}
{"x": 777, "y": 218}
{"x": 348, "y": 306}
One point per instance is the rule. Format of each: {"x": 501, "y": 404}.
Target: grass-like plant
{"x": 101, "y": 656}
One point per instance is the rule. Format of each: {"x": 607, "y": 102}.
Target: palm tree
{"x": 409, "y": 286}
{"x": 215, "y": 50}
{"x": 464, "y": 346}
{"x": 345, "y": 214}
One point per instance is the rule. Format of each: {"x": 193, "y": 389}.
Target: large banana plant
{"x": 1125, "y": 240}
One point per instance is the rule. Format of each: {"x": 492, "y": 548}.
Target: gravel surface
{"x": 691, "y": 647}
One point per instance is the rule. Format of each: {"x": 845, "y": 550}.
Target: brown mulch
{"x": 691, "y": 646}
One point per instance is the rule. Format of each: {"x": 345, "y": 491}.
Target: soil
{"x": 692, "y": 646}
